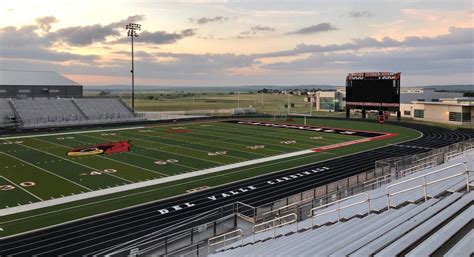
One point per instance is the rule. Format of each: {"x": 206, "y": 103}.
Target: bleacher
{"x": 6, "y": 111}
{"x": 103, "y": 109}
{"x": 36, "y": 113}
{"x": 426, "y": 213}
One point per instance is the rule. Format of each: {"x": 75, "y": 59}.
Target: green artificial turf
{"x": 43, "y": 160}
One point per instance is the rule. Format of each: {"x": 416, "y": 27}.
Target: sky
{"x": 245, "y": 42}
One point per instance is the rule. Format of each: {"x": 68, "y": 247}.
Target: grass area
{"x": 44, "y": 160}
{"x": 269, "y": 103}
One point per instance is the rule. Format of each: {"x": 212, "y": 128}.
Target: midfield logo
{"x": 109, "y": 148}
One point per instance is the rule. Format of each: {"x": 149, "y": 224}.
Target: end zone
{"x": 353, "y": 142}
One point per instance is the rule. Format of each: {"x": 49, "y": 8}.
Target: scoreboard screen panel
{"x": 376, "y": 92}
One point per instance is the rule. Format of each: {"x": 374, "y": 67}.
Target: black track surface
{"x": 95, "y": 234}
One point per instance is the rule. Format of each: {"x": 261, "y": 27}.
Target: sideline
{"x": 72, "y": 133}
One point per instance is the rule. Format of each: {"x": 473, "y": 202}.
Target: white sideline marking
{"x": 71, "y": 198}
{"x": 70, "y": 133}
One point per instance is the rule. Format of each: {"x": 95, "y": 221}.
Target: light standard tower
{"x": 132, "y": 32}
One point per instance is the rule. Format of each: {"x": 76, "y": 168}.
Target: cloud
{"x": 25, "y": 43}
{"x": 434, "y": 58}
{"x": 262, "y": 28}
{"x": 321, "y": 27}
{"x": 160, "y": 37}
{"x": 44, "y": 23}
{"x": 205, "y": 20}
{"x": 86, "y": 35}
{"x": 253, "y": 31}
{"x": 446, "y": 56}
{"x": 360, "y": 14}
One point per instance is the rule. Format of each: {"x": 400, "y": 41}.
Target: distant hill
{"x": 250, "y": 88}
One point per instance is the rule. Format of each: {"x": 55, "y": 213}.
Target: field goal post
{"x": 280, "y": 115}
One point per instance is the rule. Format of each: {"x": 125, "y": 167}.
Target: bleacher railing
{"x": 426, "y": 183}
{"x": 274, "y": 224}
{"x": 339, "y": 207}
{"x": 224, "y": 238}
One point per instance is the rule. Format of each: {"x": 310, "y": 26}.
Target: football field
{"x": 38, "y": 168}
{"x": 55, "y": 177}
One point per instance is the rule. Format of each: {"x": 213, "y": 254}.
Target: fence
{"x": 51, "y": 120}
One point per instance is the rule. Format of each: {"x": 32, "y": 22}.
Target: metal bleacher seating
{"x": 46, "y": 111}
{"x": 434, "y": 219}
{"x": 66, "y": 112}
{"x": 6, "y": 111}
{"x": 103, "y": 109}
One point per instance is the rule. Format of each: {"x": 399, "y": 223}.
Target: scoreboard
{"x": 373, "y": 91}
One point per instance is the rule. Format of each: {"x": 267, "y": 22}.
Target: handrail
{"x": 338, "y": 207}
{"x": 425, "y": 184}
{"x": 246, "y": 217}
{"x": 274, "y": 225}
{"x": 285, "y": 207}
{"x": 453, "y": 154}
{"x": 423, "y": 165}
{"x": 225, "y": 239}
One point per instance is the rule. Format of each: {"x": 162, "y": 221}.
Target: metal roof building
{"x": 37, "y": 84}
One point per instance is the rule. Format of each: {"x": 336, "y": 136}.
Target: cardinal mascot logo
{"x": 109, "y": 148}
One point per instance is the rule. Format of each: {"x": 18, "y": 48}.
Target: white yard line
{"x": 28, "y": 192}
{"x": 71, "y": 133}
{"x": 107, "y": 158}
{"x": 71, "y": 198}
{"x": 200, "y": 143}
{"x": 151, "y": 158}
{"x": 52, "y": 173}
{"x": 158, "y": 150}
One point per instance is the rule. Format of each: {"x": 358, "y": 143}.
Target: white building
{"x": 456, "y": 111}
{"x": 331, "y": 101}
{"x": 408, "y": 95}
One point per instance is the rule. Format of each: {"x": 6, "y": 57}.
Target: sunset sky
{"x": 247, "y": 42}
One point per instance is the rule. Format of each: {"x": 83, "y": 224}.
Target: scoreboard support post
{"x": 348, "y": 113}
{"x": 399, "y": 115}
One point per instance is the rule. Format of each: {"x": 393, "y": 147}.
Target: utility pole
{"x": 288, "y": 94}
{"x": 238, "y": 99}
{"x": 132, "y": 32}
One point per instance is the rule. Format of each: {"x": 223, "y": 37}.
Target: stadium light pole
{"x": 132, "y": 32}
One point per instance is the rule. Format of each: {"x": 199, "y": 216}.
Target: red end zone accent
{"x": 353, "y": 142}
